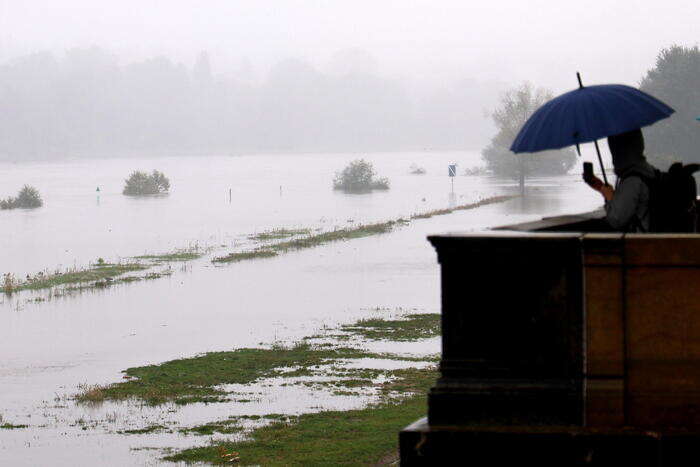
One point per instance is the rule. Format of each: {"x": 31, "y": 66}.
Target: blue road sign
{"x": 452, "y": 169}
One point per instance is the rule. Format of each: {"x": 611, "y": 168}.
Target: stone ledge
{"x": 498, "y": 445}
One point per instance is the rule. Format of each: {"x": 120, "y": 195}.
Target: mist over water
{"x": 250, "y": 108}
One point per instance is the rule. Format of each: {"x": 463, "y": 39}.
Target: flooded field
{"x": 77, "y": 224}
{"x": 53, "y": 345}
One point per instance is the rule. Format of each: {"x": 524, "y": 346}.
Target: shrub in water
{"x": 140, "y": 183}
{"x": 415, "y": 170}
{"x": 359, "y": 177}
{"x": 28, "y": 197}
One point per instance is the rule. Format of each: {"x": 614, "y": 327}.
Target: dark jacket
{"x": 628, "y": 211}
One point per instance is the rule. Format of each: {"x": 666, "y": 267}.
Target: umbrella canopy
{"x": 588, "y": 114}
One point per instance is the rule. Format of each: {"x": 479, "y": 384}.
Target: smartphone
{"x": 588, "y": 172}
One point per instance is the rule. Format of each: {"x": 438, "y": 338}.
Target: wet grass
{"x": 142, "y": 431}
{"x": 95, "y": 273}
{"x": 360, "y": 231}
{"x": 10, "y": 426}
{"x": 189, "y": 254}
{"x": 353, "y": 437}
{"x": 365, "y": 436}
{"x": 463, "y": 207}
{"x": 224, "y": 427}
{"x": 91, "y": 393}
{"x": 307, "y": 240}
{"x": 197, "y": 379}
{"x": 310, "y": 241}
{"x": 276, "y": 234}
{"x": 411, "y": 328}
{"x": 244, "y": 255}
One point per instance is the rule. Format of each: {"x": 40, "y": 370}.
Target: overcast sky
{"x": 424, "y": 43}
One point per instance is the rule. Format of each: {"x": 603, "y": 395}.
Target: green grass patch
{"x": 276, "y": 234}
{"x": 178, "y": 255}
{"x": 95, "y": 273}
{"x": 310, "y": 241}
{"x": 196, "y": 379}
{"x": 353, "y": 437}
{"x": 244, "y": 255}
{"x": 10, "y": 426}
{"x": 224, "y": 427}
{"x": 360, "y": 231}
{"x": 142, "y": 431}
{"x": 411, "y": 328}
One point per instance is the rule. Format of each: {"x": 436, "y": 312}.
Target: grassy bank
{"x": 189, "y": 254}
{"x": 329, "y": 437}
{"x": 355, "y": 437}
{"x": 197, "y": 379}
{"x": 307, "y": 240}
{"x": 462, "y": 207}
{"x": 104, "y": 274}
{"x": 310, "y": 241}
{"x": 276, "y": 234}
{"x": 411, "y": 328}
{"x": 10, "y": 426}
{"x": 95, "y": 273}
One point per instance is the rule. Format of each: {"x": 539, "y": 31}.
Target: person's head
{"x": 627, "y": 149}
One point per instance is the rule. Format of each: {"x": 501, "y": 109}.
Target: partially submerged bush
{"x": 28, "y": 197}
{"x": 415, "y": 170}
{"x": 140, "y": 183}
{"x": 358, "y": 177}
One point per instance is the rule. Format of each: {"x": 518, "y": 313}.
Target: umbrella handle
{"x": 600, "y": 160}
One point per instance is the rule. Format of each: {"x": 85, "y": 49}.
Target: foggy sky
{"x": 296, "y": 75}
{"x": 423, "y": 43}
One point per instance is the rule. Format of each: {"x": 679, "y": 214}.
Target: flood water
{"x": 78, "y": 224}
{"x": 49, "y": 348}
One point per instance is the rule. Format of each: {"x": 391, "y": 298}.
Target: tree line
{"x": 85, "y": 103}
{"x": 672, "y": 79}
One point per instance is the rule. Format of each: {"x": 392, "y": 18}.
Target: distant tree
{"x": 28, "y": 197}
{"x": 140, "y": 183}
{"x": 517, "y": 105}
{"x": 359, "y": 177}
{"x": 674, "y": 80}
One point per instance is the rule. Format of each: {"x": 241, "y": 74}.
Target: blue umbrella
{"x": 588, "y": 114}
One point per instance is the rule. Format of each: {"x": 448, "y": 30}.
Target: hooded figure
{"x": 627, "y": 207}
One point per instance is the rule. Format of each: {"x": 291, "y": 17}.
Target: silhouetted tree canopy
{"x": 517, "y": 105}
{"x": 675, "y": 80}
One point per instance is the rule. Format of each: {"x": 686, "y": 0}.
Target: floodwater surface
{"x": 49, "y": 348}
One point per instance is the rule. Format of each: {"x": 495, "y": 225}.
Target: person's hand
{"x": 595, "y": 183}
{"x": 607, "y": 191}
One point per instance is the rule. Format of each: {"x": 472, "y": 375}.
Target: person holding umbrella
{"x": 612, "y": 111}
{"x": 627, "y": 205}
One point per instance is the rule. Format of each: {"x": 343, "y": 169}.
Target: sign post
{"x": 452, "y": 172}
